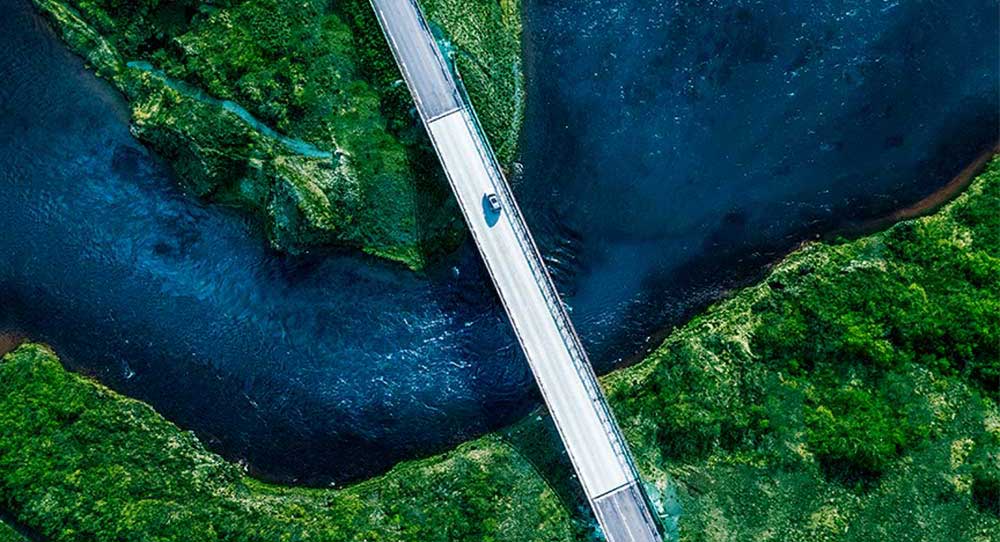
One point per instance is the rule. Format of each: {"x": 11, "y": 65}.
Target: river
{"x": 672, "y": 152}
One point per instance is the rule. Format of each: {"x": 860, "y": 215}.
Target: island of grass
{"x": 850, "y": 396}
{"x": 296, "y": 111}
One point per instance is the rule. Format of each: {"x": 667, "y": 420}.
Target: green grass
{"x": 9, "y": 534}
{"x": 857, "y": 386}
{"x": 315, "y": 71}
{"x": 79, "y": 462}
{"x": 850, "y": 396}
{"x": 489, "y": 63}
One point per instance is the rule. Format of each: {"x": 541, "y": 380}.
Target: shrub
{"x": 854, "y": 432}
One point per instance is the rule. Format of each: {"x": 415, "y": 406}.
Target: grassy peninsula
{"x": 296, "y": 111}
{"x": 850, "y": 396}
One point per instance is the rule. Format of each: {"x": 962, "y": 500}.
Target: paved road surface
{"x": 428, "y": 77}
{"x": 595, "y": 446}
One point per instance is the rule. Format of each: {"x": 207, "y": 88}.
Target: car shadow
{"x": 491, "y": 216}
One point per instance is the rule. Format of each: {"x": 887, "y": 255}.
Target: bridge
{"x": 593, "y": 441}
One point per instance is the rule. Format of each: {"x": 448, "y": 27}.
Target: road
{"x": 567, "y": 382}
{"x": 424, "y": 69}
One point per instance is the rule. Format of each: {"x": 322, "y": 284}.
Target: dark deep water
{"x": 672, "y": 151}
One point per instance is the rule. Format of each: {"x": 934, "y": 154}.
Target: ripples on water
{"x": 686, "y": 144}
{"x": 309, "y": 367}
{"x": 674, "y": 150}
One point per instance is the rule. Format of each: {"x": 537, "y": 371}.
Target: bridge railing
{"x": 553, "y": 301}
{"x": 528, "y": 247}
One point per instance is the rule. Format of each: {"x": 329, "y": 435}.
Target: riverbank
{"x": 851, "y": 394}
{"x": 9, "y": 341}
{"x": 297, "y": 114}
{"x": 123, "y": 469}
{"x": 840, "y": 398}
{"x": 926, "y": 206}
{"x": 951, "y": 190}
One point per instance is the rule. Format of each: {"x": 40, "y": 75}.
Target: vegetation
{"x": 296, "y": 111}
{"x": 494, "y": 86}
{"x": 79, "y": 462}
{"x": 9, "y": 534}
{"x": 857, "y": 385}
{"x": 851, "y": 396}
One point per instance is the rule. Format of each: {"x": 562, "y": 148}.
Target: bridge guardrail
{"x": 544, "y": 280}
{"x": 540, "y": 273}
{"x": 552, "y": 299}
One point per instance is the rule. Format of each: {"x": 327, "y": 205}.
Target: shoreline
{"x": 926, "y": 206}
{"x": 10, "y": 340}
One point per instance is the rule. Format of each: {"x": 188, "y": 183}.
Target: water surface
{"x": 671, "y": 152}
{"x": 676, "y": 148}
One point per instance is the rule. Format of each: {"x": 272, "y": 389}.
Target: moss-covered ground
{"x": 79, "y": 462}
{"x": 359, "y": 171}
{"x": 9, "y": 534}
{"x": 850, "y": 396}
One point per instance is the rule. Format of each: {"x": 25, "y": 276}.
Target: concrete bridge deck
{"x": 593, "y": 441}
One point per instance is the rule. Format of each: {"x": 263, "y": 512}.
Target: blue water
{"x": 671, "y": 152}
{"x": 681, "y": 146}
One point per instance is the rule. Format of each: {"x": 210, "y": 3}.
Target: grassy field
{"x": 313, "y": 72}
{"x": 850, "y": 396}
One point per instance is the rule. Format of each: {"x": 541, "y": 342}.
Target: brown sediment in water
{"x": 9, "y": 341}
{"x": 931, "y": 203}
{"x": 926, "y": 206}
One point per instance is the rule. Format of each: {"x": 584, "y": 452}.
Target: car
{"x": 494, "y": 202}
